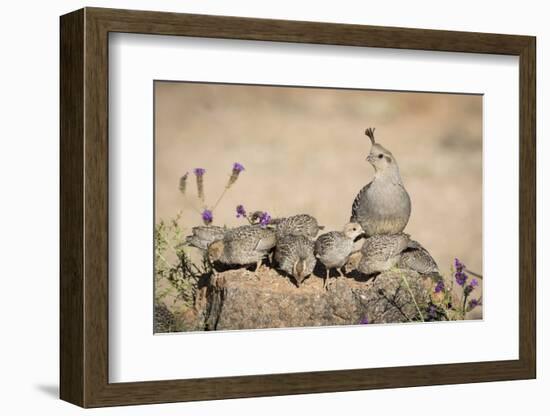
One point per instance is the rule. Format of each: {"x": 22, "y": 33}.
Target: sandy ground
{"x": 304, "y": 151}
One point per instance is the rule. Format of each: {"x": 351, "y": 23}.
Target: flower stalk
{"x": 207, "y": 214}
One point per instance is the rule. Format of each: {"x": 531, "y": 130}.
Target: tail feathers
{"x": 300, "y": 266}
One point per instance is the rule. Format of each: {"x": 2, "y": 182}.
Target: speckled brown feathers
{"x": 417, "y": 258}
{"x": 301, "y": 224}
{"x": 294, "y": 255}
{"x": 204, "y": 235}
{"x": 243, "y": 245}
{"x": 382, "y": 252}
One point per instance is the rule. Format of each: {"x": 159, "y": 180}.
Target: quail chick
{"x": 204, "y": 235}
{"x": 382, "y": 252}
{"x": 301, "y": 224}
{"x": 294, "y": 255}
{"x": 383, "y": 206}
{"x": 334, "y": 248}
{"x": 417, "y": 258}
{"x": 242, "y": 246}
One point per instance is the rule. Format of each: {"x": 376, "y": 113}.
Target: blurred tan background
{"x": 304, "y": 151}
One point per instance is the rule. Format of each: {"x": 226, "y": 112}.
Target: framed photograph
{"x": 254, "y": 207}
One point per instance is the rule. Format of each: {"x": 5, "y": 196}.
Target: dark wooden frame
{"x": 84, "y": 207}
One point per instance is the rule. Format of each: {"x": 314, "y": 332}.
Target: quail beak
{"x": 369, "y": 158}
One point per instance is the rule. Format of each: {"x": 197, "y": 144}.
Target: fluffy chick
{"x": 382, "y": 252}
{"x": 417, "y": 258}
{"x": 295, "y": 256}
{"x": 202, "y": 236}
{"x": 242, "y": 246}
{"x": 334, "y": 248}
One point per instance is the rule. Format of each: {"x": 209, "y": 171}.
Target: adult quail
{"x": 301, "y": 224}
{"x": 242, "y": 246}
{"x": 204, "y": 235}
{"x": 383, "y": 206}
{"x": 334, "y": 248}
{"x": 417, "y": 258}
{"x": 382, "y": 252}
{"x": 294, "y": 255}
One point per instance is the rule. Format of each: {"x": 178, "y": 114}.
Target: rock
{"x": 241, "y": 299}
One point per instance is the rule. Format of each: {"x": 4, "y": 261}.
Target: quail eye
{"x": 380, "y": 156}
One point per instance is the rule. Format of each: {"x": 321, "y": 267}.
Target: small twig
{"x": 164, "y": 260}
{"x": 474, "y": 273}
{"x": 220, "y": 198}
{"x": 396, "y": 306}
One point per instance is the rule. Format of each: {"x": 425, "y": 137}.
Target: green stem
{"x": 164, "y": 260}
{"x": 412, "y": 296}
{"x": 464, "y": 305}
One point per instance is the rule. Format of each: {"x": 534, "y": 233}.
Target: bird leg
{"x": 342, "y": 275}
{"x": 325, "y": 283}
{"x": 258, "y": 265}
{"x": 213, "y": 277}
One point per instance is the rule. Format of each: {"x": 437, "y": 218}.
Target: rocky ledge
{"x": 242, "y": 299}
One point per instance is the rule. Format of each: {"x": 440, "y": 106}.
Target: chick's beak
{"x": 369, "y": 158}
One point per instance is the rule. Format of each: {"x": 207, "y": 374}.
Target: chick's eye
{"x": 380, "y": 156}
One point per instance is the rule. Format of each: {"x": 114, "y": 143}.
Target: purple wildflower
{"x": 237, "y": 167}
{"x": 461, "y": 278}
{"x": 432, "y": 311}
{"x": 199, "y": 171}
{"x": 473, "y": 303}
{"x": 265, "y": 219}
{"x": 470, "y": 288}
{"x": 459, "y": 266}
{"x": 207, "y": 216}
{"x": 241, "y": 212}
{"x": 364, "y": 321}
{"x": 440, "y": 287}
